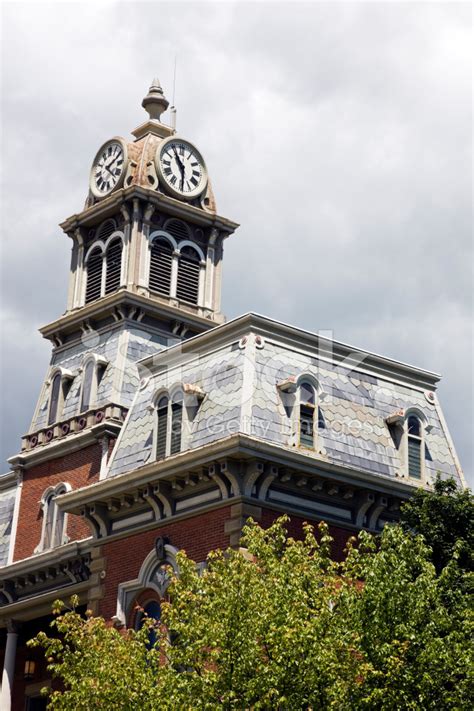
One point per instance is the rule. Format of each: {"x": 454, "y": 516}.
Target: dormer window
{"x": 415, "y": 446}
{"x": 60, "y": 384}
{"x": 169, "y": 424}
{"x": 92, "y": 373}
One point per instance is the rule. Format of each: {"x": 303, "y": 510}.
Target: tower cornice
{"x": 102, "y": 210}
{"x": 113, "y": 306}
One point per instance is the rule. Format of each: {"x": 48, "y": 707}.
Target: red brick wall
{"x": 197, "y": 536}
{"x": 295, "y": 529}
{"x": 77, "y": 469}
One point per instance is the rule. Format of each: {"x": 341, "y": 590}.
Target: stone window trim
{"x": 177, "y": 247}
{"x": 152, "y": 577}
{"x": 55, "y": 406}
{"x": 102, "y": 246}
{"x": 51, "y": 513}
{"x": 99, "y": 364}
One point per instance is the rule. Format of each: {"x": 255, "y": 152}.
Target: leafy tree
{"x": 279, "y": 625}
{"x": 445, "y": 517}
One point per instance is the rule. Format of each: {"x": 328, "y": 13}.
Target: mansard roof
{"x": 7, "y": 504}
{"x": 241, "y": 368}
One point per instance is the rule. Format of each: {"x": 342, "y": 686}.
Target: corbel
{"x": 125, "y": 213}
{"x": 366, "y": 501}
{"x": 162, "y": 491}
{"x": 153, "y": 501}
{"x": 221, "y": 483}
{"x": 396, "y": 418}
{"x": 268, "y": 479}
{"x": 231, "y": 470}
{"x": 288, "y": 385}
{"x": 97, "y": 518}
{"x": 253, "y": 471}
{"x": 381, "y": 505}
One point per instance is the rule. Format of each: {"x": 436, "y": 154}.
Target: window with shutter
{"x": 188, "y": 275}
{"x": 176, "y": 426}
{"x": 161, "y": 258}
{"x": 54, "y": 398}
{"x": 415, "y": 441}
{"x": 94, "y": 275}
{"x": 162, "y": 427}
{"x": 113, "y": 266}
{"x": 307, "y": 415}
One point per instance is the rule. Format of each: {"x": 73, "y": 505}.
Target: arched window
{"x": 92, "y": 373}
{"x": 113, "y": 265}
{"x": 106, "y": 229}
{"x": 87, "y": 383}
{"x": 54, "y": 528}
{"x": 54, "y": 398}
{"x": 161, "y": 260}
{"x": 60, "y": 385}
{"x": 169, "y": 425}
{"x": 94, "y": 275}
{"x": 187, "y": 288}
{"x": 162, "y": 427}
{"x": 308, "y": 416}
{"x": 415, "y": 445}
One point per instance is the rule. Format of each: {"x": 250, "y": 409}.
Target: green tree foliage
{"x": 445, "y": 517}
{"x": 279, "y": 625}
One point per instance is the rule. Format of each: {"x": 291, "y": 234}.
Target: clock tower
{"x": 145, "y": 274}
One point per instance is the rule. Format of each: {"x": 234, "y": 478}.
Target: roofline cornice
{"x": 235, "y": 445}
{"x": 298, "y": 339}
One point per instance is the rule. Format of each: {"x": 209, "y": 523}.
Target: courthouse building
{"x": 160, "y": 426}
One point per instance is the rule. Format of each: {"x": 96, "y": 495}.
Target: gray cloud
{"x": 338, "y": 135}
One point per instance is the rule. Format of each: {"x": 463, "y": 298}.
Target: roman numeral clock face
{"x": 181, "y": 168}
{"x": 108, "y": 168}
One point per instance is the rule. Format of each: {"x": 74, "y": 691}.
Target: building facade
{"x": 160, "y": 426}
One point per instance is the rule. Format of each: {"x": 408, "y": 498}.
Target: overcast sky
{"x": 338, "y": 135}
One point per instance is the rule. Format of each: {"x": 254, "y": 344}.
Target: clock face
{"x": 108, "y": 168}
{"x": 181, "y": 168}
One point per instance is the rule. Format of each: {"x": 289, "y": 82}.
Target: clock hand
{"x": 178, "y": 160}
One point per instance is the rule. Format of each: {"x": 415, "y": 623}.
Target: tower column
{"x": 9, "y": 666}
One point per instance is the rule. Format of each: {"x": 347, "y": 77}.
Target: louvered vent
{"x": 161, "y": 258}
{"x": 414, "y": 457}
{"x": 113, "y": 266}
{"x": 188, "y": 275}
{"x": 176, "y": 425}
{"x": 106, "y": 229}
{"x": 178, "y": 229}
{"x": 306, "y": 426}
{"x": 94, "y": 275}
{"x": 162, "y": 426}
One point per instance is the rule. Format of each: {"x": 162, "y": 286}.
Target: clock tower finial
{"x": 155, "y": 101}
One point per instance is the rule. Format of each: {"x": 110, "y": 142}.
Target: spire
{"x": 155, "y": 101}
